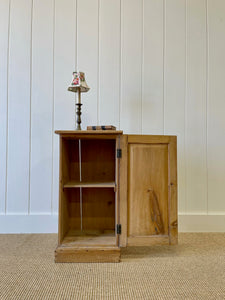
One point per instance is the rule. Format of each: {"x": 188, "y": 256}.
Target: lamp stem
{"x": 78, "y": 112}
{"x": 79, "y": 96}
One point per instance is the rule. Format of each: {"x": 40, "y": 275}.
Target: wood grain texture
{"x": 75, "y": 215}
{"x": 89, "y": 238}
{"x": 152, "y": 190}
{"x": 72, "y": 153}
{"x": 85, "y": 255}
{"x": 98, "y": 160}
{"x": 18, "y": 163}
{"x": 146, "y": 139}
{"x": 63, "y": 213}
{"x": 148, "y": 241}
{"x": 83, "y": 229}
{"x": 64, "y": 161}
{"x": 98, "y": 208}
{"x": 156, "y": 216}
{"x": 41, "y": 107}
{"x": 72, "y": 184}
{"x": 147, "y": 173}
{"x": 88, "y": 132}
{"x": 117, "y": 189}
{"x": 172, "y": 185}
{"x": 151, "y": 167}
{"x": 153, "y": 64}
{"x": 4, "y": 35}
{"x": 196, "y": 168}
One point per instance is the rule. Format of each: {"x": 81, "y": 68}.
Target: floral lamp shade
{"x": 78, "y": 83}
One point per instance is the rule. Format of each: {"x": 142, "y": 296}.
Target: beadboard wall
{"x": 154, "y": 67}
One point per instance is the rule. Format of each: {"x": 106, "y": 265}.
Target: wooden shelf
{"x": 76, "y": 184}
{"x": 96, "y": 238}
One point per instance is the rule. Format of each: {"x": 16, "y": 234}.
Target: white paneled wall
{"x": 196, "y": 107}
{"x": 216, "y": 106}
{"x": 175, "y": 85}
{"x": 19, "y": 107}
{"x": 41, "y": 107}
{"x": 4, "y": 49}
{"x": 154, "y": 67}
{"x": 153, "y": 77}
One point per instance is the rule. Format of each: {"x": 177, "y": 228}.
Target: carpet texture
{"x": 194, "y": 269}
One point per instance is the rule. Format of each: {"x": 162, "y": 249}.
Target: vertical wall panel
{"x": 64, "y": 65}
{"x": 152, "y": 105}
{"x": 109, "y": 62}
{"x": 216, "y": 107}
{"x": 4, "y": 25}
{"x": 196, "y": 187}
{"x": 19, "y": 107}
{"x": 41, "y": 107}
{"x": 174, "y": 85}
{"x": 131, "y": 77}
{"x": 88, "y": 57}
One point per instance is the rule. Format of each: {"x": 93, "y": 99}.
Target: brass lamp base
{"x": 78, "y": 112}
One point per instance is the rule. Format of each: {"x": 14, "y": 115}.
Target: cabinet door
{"x": 151, "y": 197}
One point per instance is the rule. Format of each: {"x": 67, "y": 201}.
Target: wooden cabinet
{"x": 115, "y": 191}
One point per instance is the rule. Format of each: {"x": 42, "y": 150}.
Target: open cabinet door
{"x": 151, "y": 190}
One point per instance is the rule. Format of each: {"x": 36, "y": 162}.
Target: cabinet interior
{"x": 88, "y": 197}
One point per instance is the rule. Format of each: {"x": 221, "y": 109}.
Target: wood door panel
{"x": 147, "y": 189}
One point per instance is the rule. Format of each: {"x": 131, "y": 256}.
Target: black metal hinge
{"x": 118, "y": 229}
{"x": 119, "y": 153}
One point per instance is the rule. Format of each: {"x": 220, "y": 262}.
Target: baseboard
{"x": 29, "y": 223}
{"x": 201, "y": 223}
{"x": 46, "y": 223}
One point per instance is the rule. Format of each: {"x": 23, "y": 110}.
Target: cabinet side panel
{"x": 147, "y": 189}
{"x": 64, "y": 161}
{"x": 64, "y": 215}
{"x": 173, "y": 228}
{"x": 63, "y": 225}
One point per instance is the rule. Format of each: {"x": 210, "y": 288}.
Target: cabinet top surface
{"x": 88, "y": 132}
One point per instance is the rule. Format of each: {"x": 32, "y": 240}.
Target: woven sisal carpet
{"x": 195, "y": 269}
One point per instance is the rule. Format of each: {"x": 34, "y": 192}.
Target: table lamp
{"x": 78, "y": 85}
